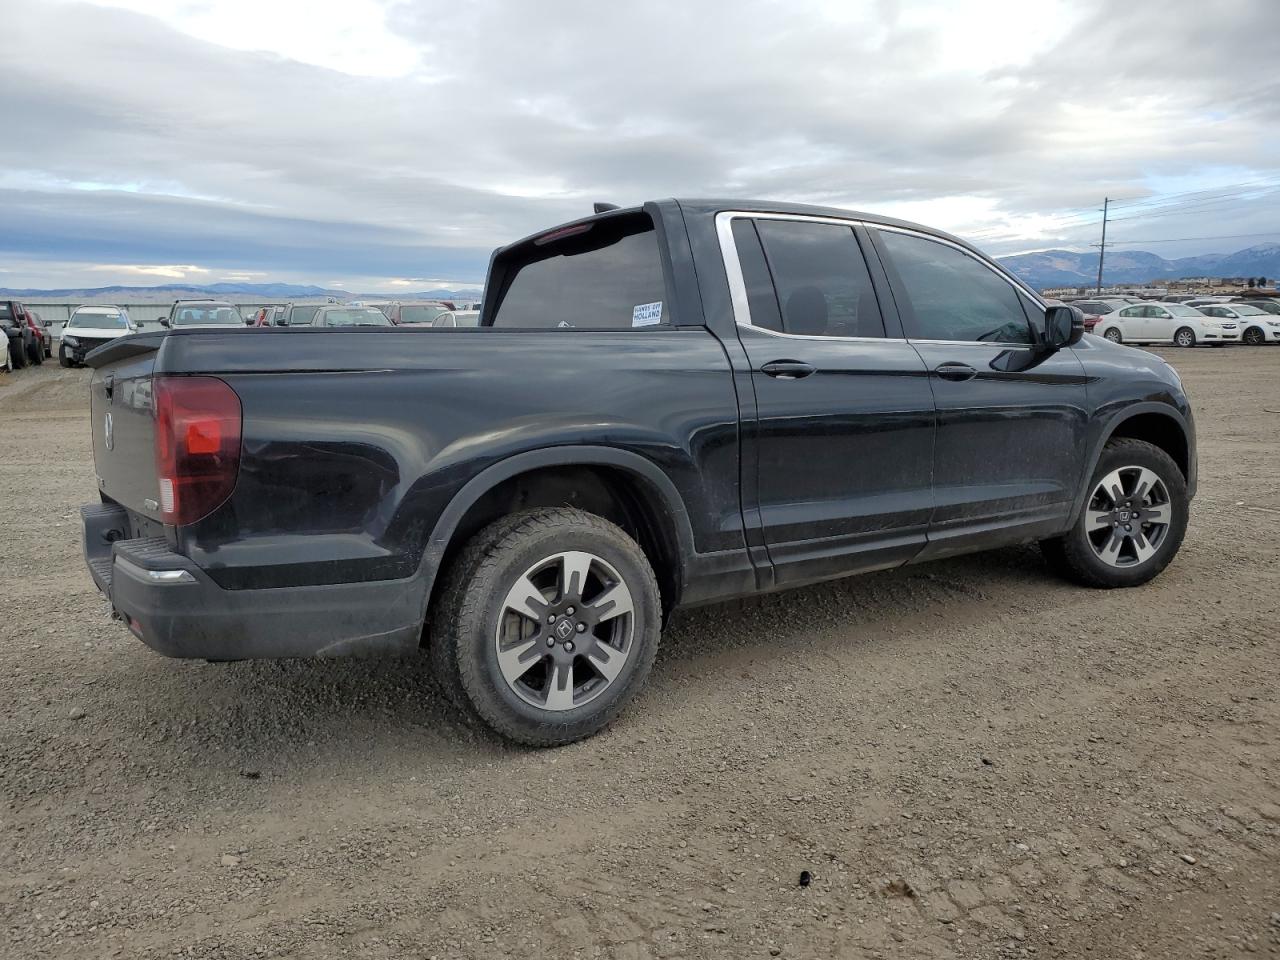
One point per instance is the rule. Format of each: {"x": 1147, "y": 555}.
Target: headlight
{"x": 1273, "y": 323}
{"x": 71, "y": 341}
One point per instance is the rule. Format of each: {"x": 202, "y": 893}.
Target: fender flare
{"x": 560, "y": 456}
{"x": 1108, "y": 430}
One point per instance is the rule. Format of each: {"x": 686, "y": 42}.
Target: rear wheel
{"x": 62, "y": 356}
{"x": 547, "y": 625}
{"x": 1132, "y": 523}
{"x": 1113, "y": 335}
{"x": 1185, "y": 337}
{"x": 37, "y": 353}
{"x": 1254, "y": 337}
{"x": 19, "y": 355}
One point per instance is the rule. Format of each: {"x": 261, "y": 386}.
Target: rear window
{"x": 207, "y": 314}
{"x": 4, "y": 311}
{"x": 608, "y": 276}
{"x": 419, "y": 313}
{"x": 355, "y": 317}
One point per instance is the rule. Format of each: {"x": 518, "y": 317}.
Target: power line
{"x": 1163, "y": 205}
{"x": 1229, "y": 236}
{"x": 1192, "y": 193}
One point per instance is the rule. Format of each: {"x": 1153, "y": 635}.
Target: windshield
{"x": 188, "y": 316}
{"x": 419, "y": 313}
{"x": 1247, "y": 310}
{"x": 103, "y": 321}
{"x": 1180, "y": 310}
{"x": 365, "y": 317}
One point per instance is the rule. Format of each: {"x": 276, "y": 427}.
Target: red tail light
{"x": 197, "y": 445}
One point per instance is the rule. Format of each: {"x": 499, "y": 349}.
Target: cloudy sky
{"x": 391, "y": 144}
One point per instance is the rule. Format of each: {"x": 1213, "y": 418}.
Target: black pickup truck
{"x": 662, "y": 406}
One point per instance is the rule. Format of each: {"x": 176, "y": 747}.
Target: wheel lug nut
{"x": 1128, "y": 527}
{"x": 568, "y": 646}
{"x": 569, "y": 611}
{"x": 551, "y": 641}
{"x": 582, "y": 628}
{"x": 551, "y": 618}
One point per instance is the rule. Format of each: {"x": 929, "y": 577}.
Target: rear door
{"x": 1158, "y": 324}
{"x": 1011, "y": 418}
{"x": 843, "y": 434}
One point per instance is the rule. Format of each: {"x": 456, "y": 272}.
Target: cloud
{"x": 169, "y": 272}
{"x": 393, "y": 139}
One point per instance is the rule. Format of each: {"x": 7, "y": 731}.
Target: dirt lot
{"x": 972, "y": 759}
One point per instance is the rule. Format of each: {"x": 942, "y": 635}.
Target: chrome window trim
{"x": 738, "y": 286}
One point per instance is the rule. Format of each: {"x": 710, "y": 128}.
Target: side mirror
{"x": 164, "y": 321}
{"x": 48, "y": 323}
{"x": 1063, "y": 327}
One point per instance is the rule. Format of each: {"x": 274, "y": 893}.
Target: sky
{"x": 392, "y": 144}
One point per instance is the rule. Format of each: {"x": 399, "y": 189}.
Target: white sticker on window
{"x": 646, "y": 314}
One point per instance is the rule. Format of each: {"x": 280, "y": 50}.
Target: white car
{"x": 1257, "y": 326}
{"x": 457, "y": 318}
{"x": 90, "y": 327}
{"x": 1165, "y": 323}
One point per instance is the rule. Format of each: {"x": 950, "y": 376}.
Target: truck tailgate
{"x": 122, "y": 422}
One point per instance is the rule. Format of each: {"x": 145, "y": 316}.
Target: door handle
{"x": 788, "y": 369}
{"x": 955, "y": 371}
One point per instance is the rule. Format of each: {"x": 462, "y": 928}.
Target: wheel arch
{"x": 1159, "y": 424}
{"x": 619, "y": 485}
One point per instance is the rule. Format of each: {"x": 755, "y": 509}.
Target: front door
{"x": 842, "y": 442}
{"x": 1011, "y": 417}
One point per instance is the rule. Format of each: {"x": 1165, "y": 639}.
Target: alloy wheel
{"x": 1186, "y": 338}
{"x": 1128, "y": 516}
{"x": 1113, "y": 335}
{"x": 565, "y": 631}
{"x": 1253, "y": 337}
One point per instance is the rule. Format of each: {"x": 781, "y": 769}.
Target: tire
{"x": 1184, "y": 337}
{"x": 37, "y": 354}
{"x": 62, "y": 356}
{"x": 1112, "y": 334}
{"x": 1079, "y": 553}
{"x": 1254, "y": 337}
{"x": 20, "y": 356}
{"x": 477, "y": 625}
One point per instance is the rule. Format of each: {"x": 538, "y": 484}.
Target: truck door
{"x": 1011, "y": 417}
{"x": 843, "y": 439}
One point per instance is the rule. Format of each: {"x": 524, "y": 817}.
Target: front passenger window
{"x": 952, "y": 296}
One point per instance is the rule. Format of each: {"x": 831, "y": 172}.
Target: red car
{"x": 38, "y": 348}
{"x": 43, "y": 338}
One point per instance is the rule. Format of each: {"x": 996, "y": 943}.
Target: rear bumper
{"x": 173, "y": 606}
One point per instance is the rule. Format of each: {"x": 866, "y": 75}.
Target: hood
{"x": 94, "y": 333}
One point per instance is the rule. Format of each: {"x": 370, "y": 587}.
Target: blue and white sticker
{"x": 646, "y": 314}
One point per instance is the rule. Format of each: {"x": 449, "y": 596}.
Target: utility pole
{"x": 1102, "y": 247}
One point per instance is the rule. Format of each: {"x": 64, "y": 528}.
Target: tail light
{"x": 197, "y": 445}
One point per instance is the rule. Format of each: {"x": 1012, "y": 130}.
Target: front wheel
{"x": 1254, "y": 337}
{"x": 547, "y": 625}
{"x": 1132, "y": 523}
{"x": 37, "y": 353}
{"x": 1185, "y": 337}
{"x": 1112, "y": 334}
{"x": 19, "y": 355}
{"x": 62, "y": 356}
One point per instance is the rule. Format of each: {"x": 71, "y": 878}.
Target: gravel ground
{"x": 972, "y": 759}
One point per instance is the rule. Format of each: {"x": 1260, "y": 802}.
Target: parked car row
{"x": 1215, "y": 321}
{"x": 26, "y": 336}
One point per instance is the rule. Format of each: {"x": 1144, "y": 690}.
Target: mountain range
{"x": 1042, "y": 268}
{"x": 264, "y": 291}
{"x": 1067, "y": 268}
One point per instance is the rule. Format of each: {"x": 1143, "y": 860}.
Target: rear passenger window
{"x": 820, "y": 280}
{"x": 606, "y": 276}
{"x": 952, "y": 296}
